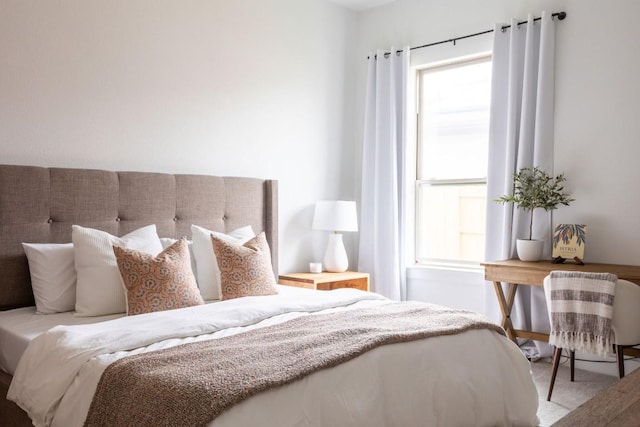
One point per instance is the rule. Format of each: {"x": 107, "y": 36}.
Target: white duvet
{"x": 477, "y": 378}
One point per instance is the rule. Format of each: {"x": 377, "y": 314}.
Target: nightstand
{"x": 327, "y": 281}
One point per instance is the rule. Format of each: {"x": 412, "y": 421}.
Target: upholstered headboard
{"x": 39, "y": 205}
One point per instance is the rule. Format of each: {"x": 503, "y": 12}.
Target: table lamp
{"x": 335, "y": 216}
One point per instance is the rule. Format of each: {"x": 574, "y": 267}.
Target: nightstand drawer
{"x": 362, "y": 284}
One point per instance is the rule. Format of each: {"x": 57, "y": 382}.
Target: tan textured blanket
{"x": 191, "y": 384}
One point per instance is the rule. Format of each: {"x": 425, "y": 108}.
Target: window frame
{"x": 420, "y": 183}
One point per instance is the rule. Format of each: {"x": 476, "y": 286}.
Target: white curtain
{"x": 381, "y": 208}
{"x": 521, "y": 134}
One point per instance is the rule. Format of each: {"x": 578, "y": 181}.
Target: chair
{"x": 625, "y": 324}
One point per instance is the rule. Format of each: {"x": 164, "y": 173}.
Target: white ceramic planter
{"x": 529, "y": 250}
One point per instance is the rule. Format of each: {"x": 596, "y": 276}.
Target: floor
{"x": 567, "y": 396}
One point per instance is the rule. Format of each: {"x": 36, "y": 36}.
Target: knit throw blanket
{"x": 581, "y": 307}
{"x": 191, "y": 384}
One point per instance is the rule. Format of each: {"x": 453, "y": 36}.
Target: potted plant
{"x": 534, "y": 188}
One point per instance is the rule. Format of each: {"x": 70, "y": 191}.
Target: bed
{"x": 474, "y": 376}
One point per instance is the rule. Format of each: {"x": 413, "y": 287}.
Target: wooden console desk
{"x": 514, "y": 272}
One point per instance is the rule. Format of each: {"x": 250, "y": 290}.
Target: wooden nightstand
{"x": 327, "y": 281}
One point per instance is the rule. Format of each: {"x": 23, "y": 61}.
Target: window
{"x": 453, "y": 134}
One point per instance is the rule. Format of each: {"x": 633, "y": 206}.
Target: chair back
{"x": 626, "y": 313}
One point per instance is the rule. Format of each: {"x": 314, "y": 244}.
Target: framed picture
{"x": 569, "y": 241}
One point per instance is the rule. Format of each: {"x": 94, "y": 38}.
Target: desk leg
{"x": 506, "y": 304}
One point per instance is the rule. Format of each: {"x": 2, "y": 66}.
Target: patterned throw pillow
{"x": 163, "y": 282}
{"x": 245, "y": 270}
{"x": 207, "y": 272}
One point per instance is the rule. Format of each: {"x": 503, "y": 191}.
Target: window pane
{"x": 454, "y": 121}
{"x": 451, "y": 221}
{"x": 453, "y": 138}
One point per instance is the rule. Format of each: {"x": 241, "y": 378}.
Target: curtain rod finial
{"x": 562, "y": 15}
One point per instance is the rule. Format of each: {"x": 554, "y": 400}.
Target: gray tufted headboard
{"x": 39, "y": 205}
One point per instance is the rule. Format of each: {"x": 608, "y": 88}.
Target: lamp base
{"x": 335, "y": 258}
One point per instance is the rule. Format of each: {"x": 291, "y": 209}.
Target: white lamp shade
{"x": 335, "y": 215}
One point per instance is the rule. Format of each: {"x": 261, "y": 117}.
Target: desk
{"x": 514, "y": 272}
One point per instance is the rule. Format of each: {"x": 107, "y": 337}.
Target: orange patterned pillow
{"x": 158, "y": 283}
{"x": 245, "y": 270}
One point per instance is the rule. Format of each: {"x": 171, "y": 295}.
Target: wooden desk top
{"x": 533, "y": 273}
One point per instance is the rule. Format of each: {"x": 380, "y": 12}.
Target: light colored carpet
{"x": 566, "y": 396}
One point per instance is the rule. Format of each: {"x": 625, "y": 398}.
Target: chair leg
{"x": 572, "y": 363}
{"x": 556, "y": 362}
{"x": 620, "y": 357}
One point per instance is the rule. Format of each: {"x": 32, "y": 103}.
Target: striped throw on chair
{"x": 581, "y": 307}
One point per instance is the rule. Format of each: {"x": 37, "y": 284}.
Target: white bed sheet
{"x": 18, "y": 327}
{"x": 21, "y": 325}
{"x": 475, "y": 378}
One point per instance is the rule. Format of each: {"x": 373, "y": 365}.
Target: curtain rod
{"x": 559, "y": 15}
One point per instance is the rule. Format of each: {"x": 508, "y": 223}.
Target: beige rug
{"x": 566, "y": 396}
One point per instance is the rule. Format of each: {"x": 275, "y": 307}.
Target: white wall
{"x": 596, "y": 128}
{"x": 243, "y": 87}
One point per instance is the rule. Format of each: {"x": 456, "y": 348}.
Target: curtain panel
{"x": 520, "y": 135}
{"x": 381, "y": 245}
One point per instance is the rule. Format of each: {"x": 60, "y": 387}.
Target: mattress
{"x": 18, "y": 327}
{"x": 21, "y": 325}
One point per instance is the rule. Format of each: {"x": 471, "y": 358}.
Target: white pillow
{"x": 99, "y": 289}
{"x": 53, "y": 276}
{"x": 168, "y": 241}
{"x": 207, "y": 272}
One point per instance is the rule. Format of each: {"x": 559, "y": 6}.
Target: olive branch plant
{"x": 534, "y": 188}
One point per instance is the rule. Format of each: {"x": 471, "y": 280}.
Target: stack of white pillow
{"x": 84, "y": 276}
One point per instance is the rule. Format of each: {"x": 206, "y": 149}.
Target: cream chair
{"x": 625, "y": 324}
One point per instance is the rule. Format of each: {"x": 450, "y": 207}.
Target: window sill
{"x": 425, "y": 271}
{"x": 446, "y": 266}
